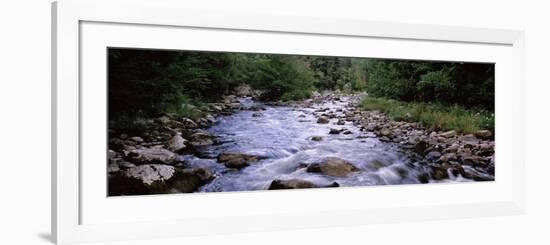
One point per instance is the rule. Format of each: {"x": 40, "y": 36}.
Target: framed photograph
{"x": 169, "y": 121}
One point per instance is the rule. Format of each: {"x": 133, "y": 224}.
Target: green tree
{"x": 282, "y": 77}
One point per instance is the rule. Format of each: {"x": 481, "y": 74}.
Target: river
{"x": 282, "y": 137}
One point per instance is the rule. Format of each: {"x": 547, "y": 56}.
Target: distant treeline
{"x": 149, "y": 82}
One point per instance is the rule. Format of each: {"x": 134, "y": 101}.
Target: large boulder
{"x": 332, "y": 166}
{"x": 152, "y": 155}
{"x": 176, "y": 144}
{"x": 236, "y": 160}
{"x": 189, "y": 180}
{"x": 157, "y": 179}
{"x": 150, "y": 173}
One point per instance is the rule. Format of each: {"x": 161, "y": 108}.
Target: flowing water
{"x": 281, "y": 136}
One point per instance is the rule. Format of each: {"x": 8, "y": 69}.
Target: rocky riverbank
{"x": 152, "y": 162}
{"x": 447, "y": 153}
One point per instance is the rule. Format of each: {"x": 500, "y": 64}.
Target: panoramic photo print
{"x": 194, "y": 121}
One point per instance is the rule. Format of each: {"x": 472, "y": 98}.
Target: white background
{"x": 25, "y": 123}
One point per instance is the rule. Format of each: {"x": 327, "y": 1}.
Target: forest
{"x": 147, "y": 83}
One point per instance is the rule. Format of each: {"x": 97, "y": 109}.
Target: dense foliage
{"x": 282, "y": 77}
{"x": 466, "y": 84}
{"x": 144, "y": 83}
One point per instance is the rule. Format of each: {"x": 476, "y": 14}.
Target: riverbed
{"x": 282, "y": 138}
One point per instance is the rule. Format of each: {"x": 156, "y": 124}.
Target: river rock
{"x": 236, "y": 160}
{"x": 334, "y": 131}
{"x": 201, "y": 138}
{"x": 163, "y": 120}
{"x": 452, "y": 148}
{"x": 296, "y": 184}
{"x": 116, "y": 144}
{"x": 256, "y": 114}
{"x": 439, "y": 173}
{"x": 316, "y": 138}
{"x": 451, "y": 156}
{"x": 341, "y": 122}
{"x": 384, "y": 139}
{"x": 112, "y": 168}
{"x": 176, "y": 144}
{"x": 215, "y": 107}
{"x": 483, "y": 134}
{"x": 290, "y": 184}
{"x": 210, "y": 118}
{"x": 111, "y": 154}
{"x": 235, "y": 106}
{"x": 332, "y": 166}
{"x": 485, "y": 150}
{"x": 228, "y": 99}
{"x": 152, "y": 155}
{"x": 257, "y": 108}
{"x": 136, "y": 139}
{"x": 421, "y": 146}
{"x": 188, "y": 123}
{"x": 189, "y": 180}
{"x": 433, "y": 155}
{"x": 323, "y": 120}
{"x": 475, "y": 161}
{"x": 448, "y": 134}
{"x": 126, "y": 165}
{"x": 385, "y": 132}
{"x": 469, "y": 138}
{"x": 150, "y": 173}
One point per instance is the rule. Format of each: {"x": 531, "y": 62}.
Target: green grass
{"x": 433, "y": 116}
